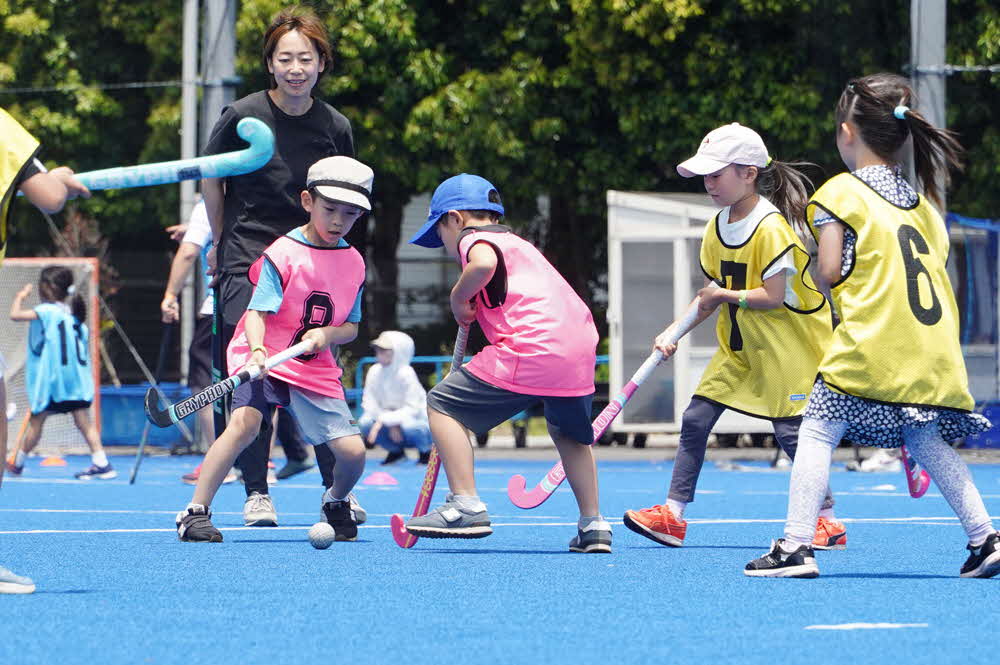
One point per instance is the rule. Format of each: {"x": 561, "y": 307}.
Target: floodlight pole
{"x": 189, "y": 149}
{"x": 927, "y": 58}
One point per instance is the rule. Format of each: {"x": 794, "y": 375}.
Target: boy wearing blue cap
{"x": 542, "y": 348}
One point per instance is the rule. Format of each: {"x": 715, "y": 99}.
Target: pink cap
{"x": 729, "y": 144}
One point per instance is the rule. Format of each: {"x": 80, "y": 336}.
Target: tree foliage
{"x": 556, "y": 101}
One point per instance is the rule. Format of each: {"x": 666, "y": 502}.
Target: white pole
{"x": 928, "y": 58}
{"x": 189, "y": 149}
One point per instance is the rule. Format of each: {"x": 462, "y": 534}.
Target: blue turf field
{"x": 115, "y": 585}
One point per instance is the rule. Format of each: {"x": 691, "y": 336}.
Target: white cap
{"x": 342, "y": 179}
{"x": 384, "y": 340}
{"x": 729, "y": 144}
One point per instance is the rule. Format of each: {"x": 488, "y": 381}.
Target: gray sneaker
{"x": 595, "y": 538}
{"x": 259, "y": 510}
{"x": 451, "y": 521}
{"x": 12, "y": 583}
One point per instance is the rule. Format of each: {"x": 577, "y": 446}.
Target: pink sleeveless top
{"x": 542, "y": 336}
{"x": 320, "y": 285}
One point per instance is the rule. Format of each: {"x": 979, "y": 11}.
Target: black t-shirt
{"x": 264, "y": 205}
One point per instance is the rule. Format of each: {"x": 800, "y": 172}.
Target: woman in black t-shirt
{"x": 249, "y": 212}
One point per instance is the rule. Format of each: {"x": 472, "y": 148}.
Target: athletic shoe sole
{"x": 834, "y": 546}
{"x": 805, "y": 571}
{"x": 988, "y": 568}
{"x": 656, "y": 536}
{"x": 10, "y": 587}
{"x": 107, "y": 475}
{"x": 459, "y": 532}
{"x": 214, "y": 539}
{"x": 260, "y": 521}
{"x": 593, "y": 548}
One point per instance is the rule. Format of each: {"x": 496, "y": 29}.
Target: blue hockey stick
{"x": 238, "y": 162}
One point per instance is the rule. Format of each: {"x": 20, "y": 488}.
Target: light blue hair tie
{"x": 900, "y": 112}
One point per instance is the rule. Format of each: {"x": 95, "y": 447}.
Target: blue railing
{"x": 353, "y": 395}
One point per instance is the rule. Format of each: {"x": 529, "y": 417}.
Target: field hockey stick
{"x": 917, "y": 480}
{"x": 176, "y": 412}
{"x": 403, "y": 537}
{"x": 253, "y": 131}
{"x": 161, "y": 361}
{"x": 556, "y": 475}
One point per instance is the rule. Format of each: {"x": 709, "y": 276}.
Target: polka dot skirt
{"x": 881, "y": 425}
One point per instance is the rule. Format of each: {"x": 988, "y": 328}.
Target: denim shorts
{"x": 481, "y": 406}
{"x": 321, "y": 418}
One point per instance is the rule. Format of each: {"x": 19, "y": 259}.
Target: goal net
{"x": 59, "y": 436}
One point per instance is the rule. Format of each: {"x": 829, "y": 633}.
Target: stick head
{"x": 156, "y": 415}
{"x": 403, "y": 538}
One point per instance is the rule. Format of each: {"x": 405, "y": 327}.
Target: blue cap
{"x": 461, "y": 192}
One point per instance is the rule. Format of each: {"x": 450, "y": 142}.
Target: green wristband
{"x": 743, "y": 300}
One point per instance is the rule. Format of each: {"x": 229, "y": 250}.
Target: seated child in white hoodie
{"x": 394, "y": 404}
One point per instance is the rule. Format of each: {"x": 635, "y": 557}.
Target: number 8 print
{"x": 317, "y": 313}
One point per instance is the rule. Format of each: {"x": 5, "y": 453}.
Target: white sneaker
{"x": 12, "y": 583}
{"x": 882, "y": 462}
{"x": 259, "y": 510}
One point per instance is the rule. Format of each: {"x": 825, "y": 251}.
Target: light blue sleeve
{"x": 268, "y": 293}
{"x": 355, "y": 315}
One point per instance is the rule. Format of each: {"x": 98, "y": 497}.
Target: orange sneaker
{"x": 830, "y": 535}
{"x": 657, "y": 523}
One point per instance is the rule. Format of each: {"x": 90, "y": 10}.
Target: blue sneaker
{"x": 103, "y": 472}
{"x": 11, "y": 583}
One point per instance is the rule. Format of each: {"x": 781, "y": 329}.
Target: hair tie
{"x": 900, "y": 112}
{"x": 71, "y": 290}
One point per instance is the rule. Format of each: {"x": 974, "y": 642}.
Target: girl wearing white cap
{"x": 893, "y": 372}
{"x": 772, "y": 329}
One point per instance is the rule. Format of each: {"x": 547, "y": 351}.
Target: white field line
{"x": 865, "y": 626}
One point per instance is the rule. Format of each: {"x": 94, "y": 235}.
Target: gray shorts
{"x": 480, "y": 406}
{"x": 320, "y": 417}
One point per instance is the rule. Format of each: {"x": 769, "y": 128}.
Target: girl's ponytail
{"x": 788, "y": 188}
{"x": 935, "y": 151}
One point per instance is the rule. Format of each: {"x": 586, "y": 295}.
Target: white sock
{"x": 99, "y": 458}
{"x": 196, "y": 505}
{"x": 328, "y": 497}
{"x": 471, "y": 503}
{"x": 587, "y": 520}
{"x": 19, "y": 458}
{"x": 677, "y": 508}
{"x": 827, "y": 513}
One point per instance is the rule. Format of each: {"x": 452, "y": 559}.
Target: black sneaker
{"x": 339, "y": 515}
{"x": 194, "y": 525}
{"x": 983, "y": 561}
{"x": 293, "y": 467}
{"x": 778, "y": 563}
{"x": 425, "y": 458}
{"x": 393, "y": 457}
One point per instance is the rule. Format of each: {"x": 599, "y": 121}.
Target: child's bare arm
{"x": 475, "y": 276}
{"x": 17, "y": 309}
{"x": 50, "y": 191}
{"x": 830, "y": 255}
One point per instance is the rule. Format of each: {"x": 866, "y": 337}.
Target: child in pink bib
{"x": 306, "y": 289}
{"x": 542, "y": 349}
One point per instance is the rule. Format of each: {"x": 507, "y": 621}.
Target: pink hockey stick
{"x": 916, "y": 478}
{"x": 516, "y": 485}
{"x": 403, "y": 537}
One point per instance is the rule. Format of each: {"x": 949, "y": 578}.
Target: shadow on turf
{"x": 283, "y": 540}
{"x": 754, "y": 548}
{"x": 491, "y": 551}
{"x": 891, "y": 576}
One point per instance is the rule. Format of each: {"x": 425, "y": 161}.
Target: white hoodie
{"x": 393, "y": 394}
